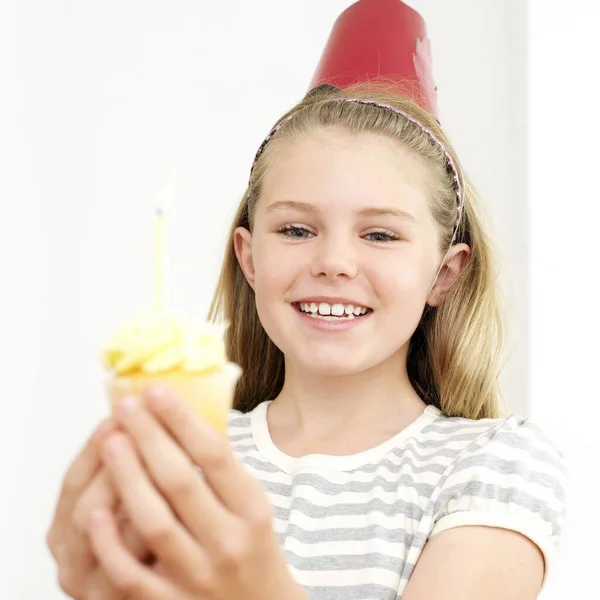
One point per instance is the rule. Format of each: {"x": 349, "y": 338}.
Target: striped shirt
{"x": 353, "y": 527}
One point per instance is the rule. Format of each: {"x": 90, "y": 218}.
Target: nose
{"x": 334, "y": 258}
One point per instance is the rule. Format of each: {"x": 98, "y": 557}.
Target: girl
{"x": 369, "y": 456}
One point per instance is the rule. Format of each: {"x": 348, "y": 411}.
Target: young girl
{"x": 360, "y": 287}
{"x": 368, "y": 455}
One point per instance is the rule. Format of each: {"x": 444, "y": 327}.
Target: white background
{"x": 103, "y": 102}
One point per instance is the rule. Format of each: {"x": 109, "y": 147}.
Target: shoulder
{"x": 513, "y": 438}
{"x": 510, "y": 459}
{"x": 505, "y": 448}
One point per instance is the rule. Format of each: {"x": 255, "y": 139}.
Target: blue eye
{"x": 383, "y": 236}
{"x": 291, "y": 231}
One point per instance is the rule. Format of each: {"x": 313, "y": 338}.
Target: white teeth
{"x": 337, "y": 310}
{"x": 324, "y": 309}
{"x": 332, "y": 311}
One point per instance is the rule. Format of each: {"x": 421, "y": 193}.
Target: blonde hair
{"x": 455, "y": 355}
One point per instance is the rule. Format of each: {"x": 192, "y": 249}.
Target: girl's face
{"x": 342, "y": 225}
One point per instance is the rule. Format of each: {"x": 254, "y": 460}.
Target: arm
{"x": 475, "y": 563}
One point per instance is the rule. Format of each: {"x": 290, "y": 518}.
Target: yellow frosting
{"x": 160, "y": 343}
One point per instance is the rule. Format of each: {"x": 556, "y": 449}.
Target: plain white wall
{"x": 102, "y": 103}
{"x": 563, "y": 158}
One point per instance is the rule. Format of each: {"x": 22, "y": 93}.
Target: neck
{"x": 378, "y": 401}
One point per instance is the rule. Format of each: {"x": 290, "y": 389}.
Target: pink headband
{"x": 449, "y": 161}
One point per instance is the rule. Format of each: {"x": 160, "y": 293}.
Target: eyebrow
{"x": 365, "y": 212}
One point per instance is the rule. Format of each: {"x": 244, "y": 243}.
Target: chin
{"x": 326, "y": 364}
{"x": 330, "y": 370}
{"x": 339, "y": 362}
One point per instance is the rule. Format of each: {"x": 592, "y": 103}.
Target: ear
{"x": 454, "y": 264}
{"x": 242, "y": 244}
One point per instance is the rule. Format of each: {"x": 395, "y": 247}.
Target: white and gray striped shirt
{"x": 353, "y": 527}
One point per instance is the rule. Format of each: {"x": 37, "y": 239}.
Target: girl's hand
{"x": 212, "y": 536}
{"x": 86, "y": 487}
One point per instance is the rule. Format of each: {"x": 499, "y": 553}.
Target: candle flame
{"x": 165, "y": 198}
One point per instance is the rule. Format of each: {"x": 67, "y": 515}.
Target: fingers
{"x": 78, "y": 476}
{"x": 150, "y": 514}
{"x": 229, "y": 479}
{"x": 172, "y": 471}
{"x": 133, "y": 579}
{"x": 76, "y": 562}
{"x": 100, "y": 493}
{"x": 72, "y": 551}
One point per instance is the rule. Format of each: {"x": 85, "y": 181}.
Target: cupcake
{"x": 187, "y": 357}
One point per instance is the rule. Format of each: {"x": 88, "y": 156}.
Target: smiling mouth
{"x": 332, "y": 313}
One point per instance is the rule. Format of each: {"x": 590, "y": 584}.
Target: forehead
{"x": 341, "y": 168}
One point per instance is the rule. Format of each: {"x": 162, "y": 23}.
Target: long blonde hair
{"x": 456, "y": 352}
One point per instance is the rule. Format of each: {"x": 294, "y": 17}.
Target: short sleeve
{"x": 512, "y": 477}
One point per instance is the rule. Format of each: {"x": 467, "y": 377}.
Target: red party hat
{"x": 380, "y": 39}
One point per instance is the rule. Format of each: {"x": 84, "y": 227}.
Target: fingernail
{"x": 129, "y": 404}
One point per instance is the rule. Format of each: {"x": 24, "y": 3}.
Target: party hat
{"x": 384, "y": 40}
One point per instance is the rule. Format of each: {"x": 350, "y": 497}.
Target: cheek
{"x": 275, "y": 273}
{"x": 402, "y": 292}
{"x": 273, "y": 279}
{"x": 401, "y": 280}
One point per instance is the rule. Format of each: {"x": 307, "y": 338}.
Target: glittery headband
{"x": 449, "y": 160}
